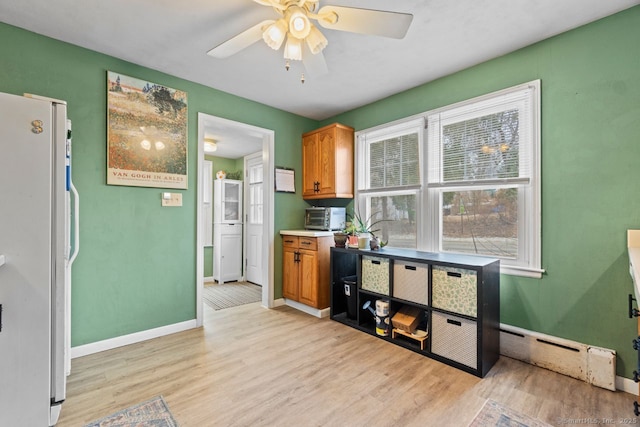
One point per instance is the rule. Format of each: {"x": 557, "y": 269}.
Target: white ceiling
{"x": 174, "y": 36}
{"x": 233, "y": 140}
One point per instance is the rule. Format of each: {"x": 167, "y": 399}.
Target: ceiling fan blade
{"x": 366, "y": 21}
{"x": 314, "y": 65}
{"x": 239, "y": 42}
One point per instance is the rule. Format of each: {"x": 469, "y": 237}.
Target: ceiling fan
{"x": 304, "y": 41}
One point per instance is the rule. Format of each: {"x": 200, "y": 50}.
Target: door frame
{"x": 268, "y": 150}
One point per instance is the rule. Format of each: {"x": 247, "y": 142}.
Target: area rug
{"x": 231, "y": 294}
{"x": 152, "y": 413}
{"x": 494, "y": 414}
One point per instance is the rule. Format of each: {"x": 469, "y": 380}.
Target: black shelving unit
{"x": 462, "y": 331}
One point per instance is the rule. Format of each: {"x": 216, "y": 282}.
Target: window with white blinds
{"x": 394, "y": 162}
{"x": 389, "y": 180}
{"x": 468, "y": 184}
{"x": 489, "y": 141}
{"x": 483, "y": 186}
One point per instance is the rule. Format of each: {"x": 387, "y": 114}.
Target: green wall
{"x": 590, "y": 174}
{"x": 137, "y": 263}
{"x": 136, "y": 268}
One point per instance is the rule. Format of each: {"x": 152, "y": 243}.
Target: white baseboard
{"x": 96, "y": 347}
{"x": 279, "y": 302}
{"x": 626, "y": 385}
{"x": 309, "y": 310}
{"x": 207, "y": 279}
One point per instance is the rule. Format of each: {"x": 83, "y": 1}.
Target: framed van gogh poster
{"x": 146, "y": 133}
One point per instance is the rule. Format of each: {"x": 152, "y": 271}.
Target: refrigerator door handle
{"x": 76, "y": 224}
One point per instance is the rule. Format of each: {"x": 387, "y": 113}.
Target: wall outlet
{"x": 171, "y": 199}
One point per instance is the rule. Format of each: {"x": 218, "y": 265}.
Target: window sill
{"x": 534, "y": 273}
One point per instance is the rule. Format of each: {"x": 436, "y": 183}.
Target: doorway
{"x": 225, "y": 130}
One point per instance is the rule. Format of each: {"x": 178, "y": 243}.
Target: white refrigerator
{"x": 35, "y": 258}
{"x": 227, "y": 230}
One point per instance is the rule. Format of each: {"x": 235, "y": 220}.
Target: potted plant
{"x": 340, "y": 238}
{"x": 364, "y": 229}
{"x": 352, "y": 236}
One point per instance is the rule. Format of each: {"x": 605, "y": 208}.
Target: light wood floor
{"x": 258, "y": 367}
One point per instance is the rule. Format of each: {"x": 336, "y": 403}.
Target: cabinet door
{"x": 231, "y": 256}
{"x": 308, "y": 278}
{"x": 232, "y": 201}
{"x": 327, "y": 164}
{"x": 309, "y": 164}
{"x": 227, "y": 207}
{"x": 290, "y": 276}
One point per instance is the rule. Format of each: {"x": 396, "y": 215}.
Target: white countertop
{"x": 307, "y": 233}
{"x": 633, "y": 244}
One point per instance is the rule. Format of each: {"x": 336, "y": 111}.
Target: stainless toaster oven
{"x": 325, "y": 218}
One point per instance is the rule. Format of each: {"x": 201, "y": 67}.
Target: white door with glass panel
{"x": 254, "y": 190}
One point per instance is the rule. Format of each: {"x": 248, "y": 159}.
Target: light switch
{"x": 174, "y": 199}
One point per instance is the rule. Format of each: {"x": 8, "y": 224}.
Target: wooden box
{"x": 407, "y": 318}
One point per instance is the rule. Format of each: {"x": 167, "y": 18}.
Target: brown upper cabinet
{"x": 327, "y": 163}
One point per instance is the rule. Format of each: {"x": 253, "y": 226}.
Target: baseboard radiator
{"x": 594, "y": 365}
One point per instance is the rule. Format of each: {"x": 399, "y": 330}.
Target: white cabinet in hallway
{"x": 227, "y": 230}
{"x": 227, "y": 252}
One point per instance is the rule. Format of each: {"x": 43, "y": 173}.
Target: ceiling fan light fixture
{"x": 299, "y": 24}
{"x": 293, "y": 48}
{"x": 275, "y": 33}
{"x": 316, "y": 40}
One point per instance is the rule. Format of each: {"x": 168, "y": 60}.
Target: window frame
{"x": 428, "y": 198}
{"x": 381, "y": 133}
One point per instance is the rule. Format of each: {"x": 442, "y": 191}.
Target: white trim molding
{"x": 136, "y": 337}
{"x": 627, "y": 385}
{"x": 305, "y": 308}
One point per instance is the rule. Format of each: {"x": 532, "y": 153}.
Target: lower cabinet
{"x": 227, "y": 252}
{"x": 442, "y": 306}
{"x": 305, "y": 270}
